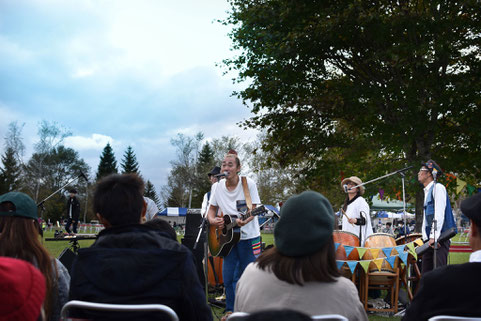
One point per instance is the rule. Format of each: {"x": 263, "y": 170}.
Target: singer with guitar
{"x": 437, "y": 215}
{"x": 231, "y": 196}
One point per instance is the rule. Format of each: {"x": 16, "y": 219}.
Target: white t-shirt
{"x": 205, "y": 201}
{"x": 227, "y": 202}
{"x": 152, "y": 209}
{"x": 353, "y": 211}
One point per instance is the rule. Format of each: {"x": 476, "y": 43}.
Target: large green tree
{"x": 150, "y": 192}
{"x": 9, "y": 172}
{"x": 368, "y": 86}
{"x": 108, "y": 163}
{"x": 129, "y": 162}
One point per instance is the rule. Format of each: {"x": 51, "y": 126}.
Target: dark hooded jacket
{"x": 136, "y": 264}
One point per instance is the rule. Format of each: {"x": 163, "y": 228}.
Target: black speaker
{"x": 189, "y": 242}
{"x": 192, "y": 224}
{"x": 66, "y": 258}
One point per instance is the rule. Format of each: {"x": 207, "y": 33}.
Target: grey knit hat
{"x": 306, "y": 224}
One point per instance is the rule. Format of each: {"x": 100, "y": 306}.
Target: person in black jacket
{"x": 133, "y": 263}
{"x": 453, "y": 289}
{"x": 73, "y": 211}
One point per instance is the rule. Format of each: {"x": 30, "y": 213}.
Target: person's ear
{"x": 102, "y": 220}
{"x": 474, "y": 229}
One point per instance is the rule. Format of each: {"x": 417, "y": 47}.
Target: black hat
{"x": 471, "y": 207}
{"x": 433, "y": 166}
{"x": 72, "y": 190}
{"x": 306, "y": 224}
{"x": 214, "y": 171}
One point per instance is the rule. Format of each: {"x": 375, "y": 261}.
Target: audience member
{"x": 388, "y": 229}
{"x": 19, "y": 238}
{"x": 22, "y": 290}
{"x": 276, "y": 315}
{"x": 300, "y": 271}
{"x": 162, "y": 227}
{"x": 133, "y": 263}
{"x": 453, "y": 289}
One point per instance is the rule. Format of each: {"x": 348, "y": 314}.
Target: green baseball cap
{"x": 24, "y": 205}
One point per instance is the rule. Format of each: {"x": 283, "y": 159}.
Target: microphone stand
{"x": 40, "y": 205}
{"x": 435, "y": 223}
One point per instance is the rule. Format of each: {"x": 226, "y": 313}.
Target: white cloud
{"x": 95, "y": 142}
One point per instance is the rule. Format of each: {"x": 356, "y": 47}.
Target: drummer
{"x": 356, "y": 219}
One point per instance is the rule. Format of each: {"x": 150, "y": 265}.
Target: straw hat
{"x": 354, "y": 179}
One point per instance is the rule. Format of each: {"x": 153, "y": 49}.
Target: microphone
{"x": 345, "y": 188}
{"x": 83, "y": 176}
{"x": 222, "y": 174}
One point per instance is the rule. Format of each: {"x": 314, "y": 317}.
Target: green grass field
{"x": 56, "y": 247}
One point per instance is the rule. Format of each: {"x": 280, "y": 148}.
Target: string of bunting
{"x": 402, "y": 252}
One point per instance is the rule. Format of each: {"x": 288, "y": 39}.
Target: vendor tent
{"x": 386, "y": 204}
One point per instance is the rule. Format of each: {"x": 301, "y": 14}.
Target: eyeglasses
{"x": 424, "y": 170}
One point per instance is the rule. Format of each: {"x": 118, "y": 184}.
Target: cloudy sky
{"x": 128, "y": 72}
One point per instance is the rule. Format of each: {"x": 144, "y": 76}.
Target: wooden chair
{"x": 84, "y": 305}
{"x": 381, "y": 281}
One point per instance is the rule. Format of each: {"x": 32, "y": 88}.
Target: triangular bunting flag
{"x": 410, "y": 246}
{"x": 352, "y": 265}
{"x": 387, "y": 251}
{"x": 375, "y": 252}
{"x": 415, "y": 255}
{"x": 399, "y": 249}
{"x": 378, "y": 263}
{"x": 460, "y": 185}
{"x": 404, "y": 257}
{"x": 365, "y": 264}
{"x": 340, "y": 264}
{"x": 361, "y": 251}
{"x": 391, "y": 260}
{"x": 336, "y": 245}
{"x": 348, "y": 249}
{"x": 419, "y": 242}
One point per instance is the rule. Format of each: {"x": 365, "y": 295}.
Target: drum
{"x": 408, "y": 238}
{"x": 346, "y": 238}
{"x": 379, "y": 240}
{"x": 214, "y": 270}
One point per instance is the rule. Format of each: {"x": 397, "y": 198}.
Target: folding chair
{"x": 452, "y": 318}
{"x": 84, "y": 305}
{"x": 236, "y": 316}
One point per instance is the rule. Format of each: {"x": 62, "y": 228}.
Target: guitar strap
{"x": 247, "y": 194}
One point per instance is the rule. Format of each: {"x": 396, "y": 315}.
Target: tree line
{"x": 52, "y": 165}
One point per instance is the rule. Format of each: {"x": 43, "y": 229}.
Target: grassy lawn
{"x": 56, "y": 247}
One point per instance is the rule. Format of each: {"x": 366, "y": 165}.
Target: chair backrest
{"x": 84, "y": 305}
{"x": 452, "y": 318}
{"x": 329, "y": 317}
{"x": 325, "y": 317}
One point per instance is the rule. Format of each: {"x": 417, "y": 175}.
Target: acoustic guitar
{"x": 221, "y": 241}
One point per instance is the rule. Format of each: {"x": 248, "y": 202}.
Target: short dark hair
{"x": 320, "y": 266}
{"x": 162, "y": 226}
{"x": 118, "y": 198}
{"x": 277, "y": 315}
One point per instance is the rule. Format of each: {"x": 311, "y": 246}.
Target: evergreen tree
{"x": 151, "y": 193}
{"x": 205, "y": 163}
{"x": 129, "y": 162}
{"x": 9, "y": 172}
{"x": 108, "y": 164}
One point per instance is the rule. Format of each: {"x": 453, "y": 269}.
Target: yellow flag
{"x": 410, "y": 246}
{"x": 419, "y": 242}
{"x": 374, "y": 252}
{"x": 378, "y": 263}
{"x": 459, "y": 185}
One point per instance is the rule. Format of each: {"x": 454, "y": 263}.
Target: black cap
{"x": 73, "y": 191}
{"x": 214, "y": 171}
{"x": 432, "y": 165}
{"x": 471, "y": 207}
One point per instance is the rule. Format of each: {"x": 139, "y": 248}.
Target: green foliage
{"x": 107, "y": 164}
{"x": 151, "y": 193}
{"x": 129, "y": 162}
{"x": 205, "y": 163}
{"x": 9, "y": 172}
{"x": 361, "y": 87}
